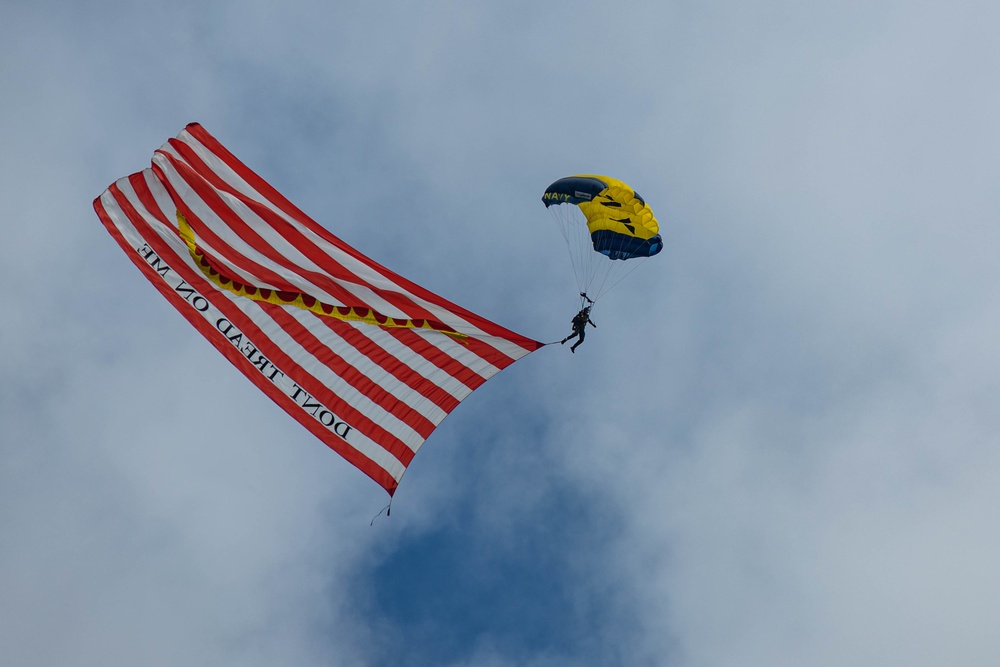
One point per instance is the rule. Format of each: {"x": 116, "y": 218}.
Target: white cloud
{"x": 778, "y": 446}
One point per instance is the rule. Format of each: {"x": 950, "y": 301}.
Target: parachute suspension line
{"x": 569, "y": 224}
{"x": 595, "y": 273}
{"x": 616, "y": 273}
{"x": 583, "y": 248}
{"x": 622, "y": 274}
{"x": 573, "y": 228}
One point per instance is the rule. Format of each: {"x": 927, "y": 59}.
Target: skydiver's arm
{"x": 591, "y": 323}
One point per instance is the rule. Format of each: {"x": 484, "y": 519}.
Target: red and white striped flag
{"x": 366, "y": 360}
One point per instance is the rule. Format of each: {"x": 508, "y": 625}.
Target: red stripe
{"x": 196, "y": 172}
{"x": 319, "y": 257}
{"x": 264, "y": 188}
{"x": 261, "y": 272}
{"x": 215, "y": 337}
{"x": 348, "y": 372}
{"x": 450, "y": 365}
{"x": 265, "y": 345}
{"x": 274, "y": 352}
{"x": 147, "y": 199}
{"x": 386, "y": 361}
{"x": 239, "y": 226}
{"x": 444, "y": 362}
{"x": 488, "y": 353}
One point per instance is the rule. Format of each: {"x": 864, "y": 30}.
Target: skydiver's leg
{"x": 583, "y": 334}
{"x": 569, "y": 337}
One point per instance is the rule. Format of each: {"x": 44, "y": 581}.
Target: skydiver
{"x": 580, "y": 322}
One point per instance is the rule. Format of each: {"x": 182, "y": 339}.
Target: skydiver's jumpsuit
{"x": 580, "y": 322}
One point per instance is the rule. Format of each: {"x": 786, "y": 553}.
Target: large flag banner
{"x": 366, "y": 360}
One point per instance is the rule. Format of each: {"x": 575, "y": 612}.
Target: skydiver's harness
{"x": 580, "y": 320}
{"x": 583, "y": 317}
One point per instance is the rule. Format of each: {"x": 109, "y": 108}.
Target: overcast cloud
{"x": 781, "y": 446}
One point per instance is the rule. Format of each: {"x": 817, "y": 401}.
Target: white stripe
{"x": 368, "y": 368}
{"x": 218, "y": 167}
{"x": 440, "y": 377}
{"x": 363, "y": 294}
{"x": 309, "y": 363}
{"x": 324, "y": 376}
{"x": 461, "y": 353}
{"x": 457, "y": 351}
{"x": 364, "y": 272}
{"x": 404, "y": 355}
{"x": 359, "y": 440}
{"x": 219, "y": 226}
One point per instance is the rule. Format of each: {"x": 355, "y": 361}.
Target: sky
{"x": 780, "y": 446}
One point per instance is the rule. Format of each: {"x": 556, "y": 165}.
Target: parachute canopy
{"x": 606, "y": 215}
{"x": 620, "y": 223}
{"x": 366, "y": 360}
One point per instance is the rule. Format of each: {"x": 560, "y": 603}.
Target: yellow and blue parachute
{"x": 606, "y": 224}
